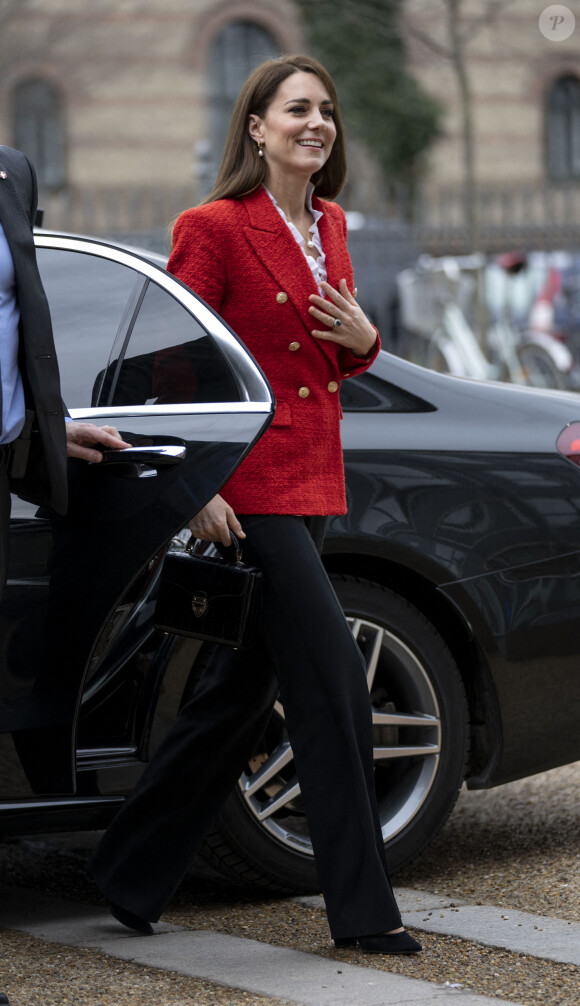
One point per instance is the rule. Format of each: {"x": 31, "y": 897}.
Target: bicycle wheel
{"x": 443, "y": 356}
{"x": 540, "y": 369}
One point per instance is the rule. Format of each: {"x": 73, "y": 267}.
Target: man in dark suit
{"x": 35, "y": 439}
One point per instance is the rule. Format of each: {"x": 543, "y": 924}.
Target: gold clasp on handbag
{"x": 199, "y": 604}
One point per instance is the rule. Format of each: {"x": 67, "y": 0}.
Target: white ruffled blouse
{"x": 317, "y": 265}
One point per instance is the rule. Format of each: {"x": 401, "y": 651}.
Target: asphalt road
{"x": 516, "y": 847}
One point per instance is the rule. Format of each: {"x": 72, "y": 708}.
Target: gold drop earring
{"x": 260, "y": 151}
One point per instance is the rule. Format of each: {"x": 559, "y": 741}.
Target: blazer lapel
{"x": 14, "y": 220}
{"x": 275, "y": 246}
{"x": 333, "y": 242}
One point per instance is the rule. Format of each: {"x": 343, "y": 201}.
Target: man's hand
{"x": 83, "y": 438}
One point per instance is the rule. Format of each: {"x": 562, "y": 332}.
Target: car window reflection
{"x": 168, "y": 358}
{"x": 88, "y": 298}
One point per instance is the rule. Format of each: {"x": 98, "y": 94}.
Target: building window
{"x": 237, "y": 50}
{"x": 564, "y": 129}
{"x": 38, "y": 130}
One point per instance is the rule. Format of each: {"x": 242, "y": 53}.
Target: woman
{"x": 272, "y": 260}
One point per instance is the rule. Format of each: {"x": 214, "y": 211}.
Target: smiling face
{"x": 297, "y": 130}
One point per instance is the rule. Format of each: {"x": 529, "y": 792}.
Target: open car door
{"x": 139, "y": 351}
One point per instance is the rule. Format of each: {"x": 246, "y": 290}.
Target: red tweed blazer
{"x": 240, "y": 256}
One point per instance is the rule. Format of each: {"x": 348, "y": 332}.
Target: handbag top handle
{"x": 237, "y": 547}
{"x": 191, "y": 545}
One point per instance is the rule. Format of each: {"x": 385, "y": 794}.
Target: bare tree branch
{"x": 467, "y": 28}
{"x": 492, "y": 9}
{"x": 460, "y": 28}
{"x": 421, "y": 36}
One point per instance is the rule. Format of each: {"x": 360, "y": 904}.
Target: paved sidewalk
{"x": 520, "y": 932}
{"x": 289, "y": 975}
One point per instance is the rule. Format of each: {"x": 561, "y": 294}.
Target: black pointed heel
{"x": 132, "y": 921}
{"x": 381, "y": 943}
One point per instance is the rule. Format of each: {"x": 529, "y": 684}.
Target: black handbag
{"x": 208, "y": 597}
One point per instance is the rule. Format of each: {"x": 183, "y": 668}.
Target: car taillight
{"x": 568, "y": 443}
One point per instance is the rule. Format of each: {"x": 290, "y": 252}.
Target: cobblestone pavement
{"x": 516, "y": 847}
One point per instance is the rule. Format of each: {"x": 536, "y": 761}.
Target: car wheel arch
{"x": 484, "y": 713}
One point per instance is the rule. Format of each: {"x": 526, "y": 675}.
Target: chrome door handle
{"x": 155, "y": 456}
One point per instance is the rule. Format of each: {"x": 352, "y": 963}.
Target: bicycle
{"x": 435, "y": 296}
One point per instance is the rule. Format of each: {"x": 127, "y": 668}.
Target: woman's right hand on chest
{"x": 214, "y": 521}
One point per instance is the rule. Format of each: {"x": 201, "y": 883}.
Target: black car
{"x": 458, "y": 565}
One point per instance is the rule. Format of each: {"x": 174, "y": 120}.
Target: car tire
{"x": 416, "y": 681}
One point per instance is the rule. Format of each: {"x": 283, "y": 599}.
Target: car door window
{"x": 167, "y": 357}
{"x": 368, "y": 393}
{"x": 91, "y": 300}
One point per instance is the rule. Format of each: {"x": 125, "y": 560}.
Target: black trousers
{"x": 308, "y": 652}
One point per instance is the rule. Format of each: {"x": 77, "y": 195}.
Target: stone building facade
{"x": 123, "y": 104}
{"x": 525, "y": 88}
{"x": 115, "y": 98}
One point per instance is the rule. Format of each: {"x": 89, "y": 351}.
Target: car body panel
{"x": 526, "y": 620}
{"x": 468, "y": 497}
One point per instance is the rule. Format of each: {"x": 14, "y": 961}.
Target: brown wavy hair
{"x": 241, "y": 170}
